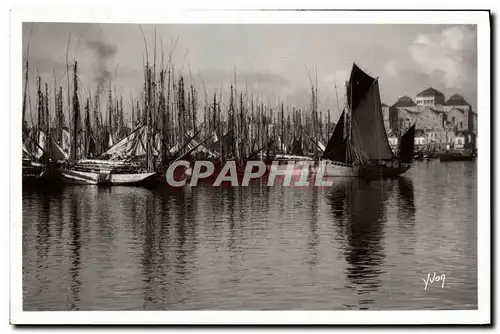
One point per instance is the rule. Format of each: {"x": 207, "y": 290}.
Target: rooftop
{"x": 456, "y": 100}
{"x": 461, "y": 110}
{"x": 437, "y": 111}
{"x": 430, "y": 92}
{"x": 404, "y": 102}
{"x": 411, "y": 111}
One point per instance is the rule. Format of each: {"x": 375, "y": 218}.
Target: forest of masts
{"x": 239, "y": 127}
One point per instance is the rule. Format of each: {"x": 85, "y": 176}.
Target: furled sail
{"x": 110, "y": 141}
{"x": 26, "y": 153}
{"x": 128, "y": 146}
{"x": 368, "y": 131}
{"x": 41, "y": 144}
{"x": 321, "y": 146}
{"x": 56, "y": 152}
{"x": 66, "y": 141}
{"x": 407, "y": 145}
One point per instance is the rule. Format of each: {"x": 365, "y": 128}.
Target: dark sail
{"x": 407, "y": 144}
{"x": 334, "y": 150}
{"x": 297, "y": 147}
{"x": 368, "y": 131}
{"x": 359, "y": 84}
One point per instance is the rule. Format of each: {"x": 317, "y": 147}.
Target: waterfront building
{"x": 401, "y": 114}
{"x": 386, "y": 114}
{"x": 459, "y": 117}
{"x": 438, "y": 120}
{"x": 430, "y": 98}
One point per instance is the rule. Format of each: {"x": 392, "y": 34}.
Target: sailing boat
{"x": 359, "y": 146}
{"x": 119, "y": 171}
{"x": 42, "y": 156}
{"x": 99, "y": 171}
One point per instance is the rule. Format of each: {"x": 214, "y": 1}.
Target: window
{"x": 461, "y": 125}
{"x": 453, "y": 119}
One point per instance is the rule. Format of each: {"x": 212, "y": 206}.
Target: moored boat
{"x": 456, "y": 156}
{"x": 44, "y": 166}
{"x": 107, "y": 172}
{"x": 103, "y": 177}
{"x": 359, "y": 146}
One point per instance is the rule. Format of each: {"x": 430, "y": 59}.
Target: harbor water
{"x": 407, "y": 243}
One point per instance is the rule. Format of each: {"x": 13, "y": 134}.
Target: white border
{"x": 140, "y": 15}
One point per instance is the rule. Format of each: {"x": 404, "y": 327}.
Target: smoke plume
{"x": 104, "y": 52}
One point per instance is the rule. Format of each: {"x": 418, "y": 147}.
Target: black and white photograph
{"x": 325, "y": 161}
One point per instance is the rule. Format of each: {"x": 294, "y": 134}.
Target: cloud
{"x": 339, "y": 77}
{"x": 391, "y": 68}
{"x": 449, "y": 54}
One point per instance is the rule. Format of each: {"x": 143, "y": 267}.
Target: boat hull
{"x": 36, "y": 174}
{"x": 456, "y": 157}
{"x": 103, "y": 177}
{"x": 336, "y": 169}
{"x": 130, "y": 178}
{"x": 333, "y": 169}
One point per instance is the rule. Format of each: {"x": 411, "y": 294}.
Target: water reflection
{"x": 359, "y": 210}
{"x": 406, "y": 215}
{"x": 74, "y": 246}
{"x": 254, "y": 247}
{"x": 43, "y": 237}
{"x": 150, "y": 256}
{"x": 313, "y": 240}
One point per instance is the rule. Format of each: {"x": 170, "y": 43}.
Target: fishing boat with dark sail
{"x": 359, "y": 146}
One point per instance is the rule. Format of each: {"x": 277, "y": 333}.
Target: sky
{"x": 271, "y": 62}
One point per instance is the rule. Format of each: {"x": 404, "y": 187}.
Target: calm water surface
{"x": 356, "y": 245}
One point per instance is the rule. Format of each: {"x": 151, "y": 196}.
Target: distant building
{"x": 430, "y": 98}
{"x": 431, "y": 122}
{"x": 420, "y": 138}
{"x": 400, "y": 114}
{"x": 458, "y": 102}
{"x": 460, "y": 140}
{"x": 393, "y": 141}
{"x": 459, "y": 118}
{"x": 385, "y": 113}
{"x": 438, "y": 121}
{"x": 405, "y": 102}
{"x": 466, "y": 118}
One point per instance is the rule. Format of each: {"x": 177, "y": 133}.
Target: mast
{"x": 241, "y": 137}
{"x": 167, "y": 116}
{"x": 149, "y": 123}
{"x": 76, "y": 114}
{"x": 347, "y": 123}
{"x": 24, "y": 95}
{"x": 163, "y": 110}
{"x": 193, "y": 107}
{"x": 47, "y": 125}
{"x": 231, "y": 123}
{"x": 40, "y": 104}
{"x": 282, "y": 148}
{"x": 110, "y": 111}
{"x": 60, "y": 115}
